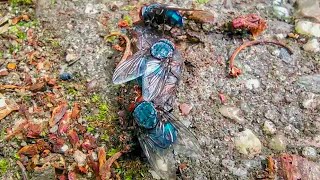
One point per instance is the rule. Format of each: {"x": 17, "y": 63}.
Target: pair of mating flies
{"x": 157, "y": 67}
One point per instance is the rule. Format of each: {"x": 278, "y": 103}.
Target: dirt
{"x": 269, "y": 88}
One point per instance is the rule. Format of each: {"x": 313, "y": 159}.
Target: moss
{"x": 14, "y": 48}
{"x": 3, "y": 166}
{"x": 112, "y": 151}
{"x": 127, "y": 8}
{"x": 105, "y": 137}
{"x": 55, "y": 43}
{"x": 15, "y": 30}
{"x": 202, "y": 1}
{"x": 90, "y": 129}
{"x": 20, "y": 2}
{"x": 72, "y": 91}
{"x": 128, "y": 19}
{"x": 95, "y": 98}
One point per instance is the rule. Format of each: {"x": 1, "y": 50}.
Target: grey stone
{"x": 309, "y": 152}
{"x": 310, "y": 82}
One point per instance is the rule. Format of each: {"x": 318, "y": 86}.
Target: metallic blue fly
{"x": 157, "y": 14}
{"x": 160, "y": 135}
{"x": 153, "y": 64}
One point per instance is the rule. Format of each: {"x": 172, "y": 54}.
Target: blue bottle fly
{"x": 160, "y": 133}
{"x": 158, "y": 14}
{"x": 153, "y": 65}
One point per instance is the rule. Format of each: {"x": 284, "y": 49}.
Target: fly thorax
{"x": 163, "y": 49}
{"x": 145, "y": 115}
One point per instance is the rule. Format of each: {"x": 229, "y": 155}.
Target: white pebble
{"x": 247, "y": 143}
{"x": 232, "y": 113}
{"x": 312, "y": 46}
{"x": 252, "y": 84}
{"x": 268, "y": 127}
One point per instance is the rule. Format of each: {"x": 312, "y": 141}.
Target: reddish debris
{"x": 72, "y": 175}
{"x": 57, "y": 142}
{"x": 251, "y": 22}
{"x": 64, "y": 124}
{"x": 123, "y": 24}
{"x": 83, "y": 169}
{"x": 89, "y": 143}
{"x": 222, "y": 97}
{"x": 292, "y": 167}
{"x": 58, "y": 113}
{"x": 235, "y": 71}
{"x": 185, "y": 108}
{"x": 33, "y": 130}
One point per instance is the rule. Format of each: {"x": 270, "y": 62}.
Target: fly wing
{"x": 186, "y": 144}
{"x": 130, "y": 69}
{"x": 154, "y": 79}
{"x": 161, "y": 160}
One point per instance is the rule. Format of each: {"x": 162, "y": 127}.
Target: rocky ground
{"x": 56, "y": 58}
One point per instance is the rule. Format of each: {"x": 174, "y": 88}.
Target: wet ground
{"x": 276, "y": 97}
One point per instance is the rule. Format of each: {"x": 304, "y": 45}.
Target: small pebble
{"x": 312, "y": 46}
{"x": 247, "y": 143}
{"x": 281, "y": 12}
{"x": 310, "y": 101}
{"x": 268, "y": 127}
{"x": 71, "y": 57}
{"x": 271, "y": 114}
{"x": 65, "y": 76}
{"x": 64, "y": 148}
{"x": 154, "y": 174}
{"x": 308, "y": 28}
{"x": 285, "y": 56}
{"x": 80, "y": 157}
{"x": 252, "y": 84}
{"x": 278, "y": 143}
{"x": 232, "y": 113}
{"x": 4, "y": 72}
{"x": 310, "y": 82}
{"x": 309, "y": 152}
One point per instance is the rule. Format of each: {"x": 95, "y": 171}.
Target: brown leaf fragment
{"x": 33, "y": 149}
{"x": 202, "y": 17}
{"x": 73, "y": 138}
{"x": 23, "y": 170}
{"x": 103, "y": 164}
{"x": 58, "y": 113}
{"x": 7, "y": 106}
{"x": 40, "y": 86}
{"x": 110, "y": 161}
{"x": 75, "y": 111}
{"x": 19, "y": 18}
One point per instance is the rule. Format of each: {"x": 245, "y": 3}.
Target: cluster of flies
{"x": 157, "y": 67}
